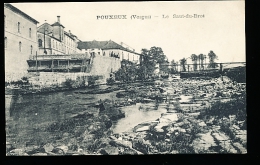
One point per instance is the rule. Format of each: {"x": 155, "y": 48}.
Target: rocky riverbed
{"x": 190, "y": 125}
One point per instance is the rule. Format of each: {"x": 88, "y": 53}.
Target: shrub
{"x": 110, "y": 81}
{"x": 68, "y": 83}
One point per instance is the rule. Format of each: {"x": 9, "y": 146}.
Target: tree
{"x": 201, "y": 59}
{"x": 183, "y": 62}
{"x": 148, "y": 64}
{"x": 212, "y": 57}
{"x": 157, "y": 54}
{"x": 173, "y": 68}
{"x": 194, "y": 59}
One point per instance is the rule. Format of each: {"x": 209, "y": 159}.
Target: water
{"x": 134, "y": 116}
{"x": 26, "y": 115}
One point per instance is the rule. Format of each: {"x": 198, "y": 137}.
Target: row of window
{"x": 19, "y": 28}
{"x": 57, "y": 46}
{"x": 20, "y": 46}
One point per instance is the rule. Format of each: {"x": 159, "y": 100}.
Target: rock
{"x": 158, "y": 130}
{"x": 144, "y": 128}
{"x": 40, "y": 154}
{"x": 89, "y": 137}
{"x": 170, "y": 116}
{"x": 48, "y": 147}
{"x": 58, "y": 151}
{"x": 73, "y": 147}
{"x": 182, "y": 130}
{"x": 240, "y": 147}
{"x": 174, "y": 152}
{"x": 9, "y": 147}
{"x": 66, "y": 134}
{"x": 16, "y": 152}
{"x": 109, "y": 150}
{"x": 127, "y": 151}
{"x": 113, "y": 137}
{"x": 202, "y": 124}
{"x": 63, "y": 148}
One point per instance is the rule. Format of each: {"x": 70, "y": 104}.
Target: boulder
{"x": 16, "y": 152}
{"x": 202, "y": 124}
{"x": 9, "y": 147}
{"x": 73, "y": 147}
{"x": 109, "y": 150}
{"x": 144, "y": 128}
{"x": 58, "y": 151}
{"x": 169, "y": 116}
{"x": 40, "y": 154}
{"x": 48, "y": 147}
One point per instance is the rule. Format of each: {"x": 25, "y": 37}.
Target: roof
{"x": 57, "y": 24}
{"x": 104, "y": 45}
{"x": 45, "y": 27}
{"x": 16, "y": 10}
{"x": 70, "y": 35}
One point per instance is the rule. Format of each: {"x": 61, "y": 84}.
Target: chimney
{"x": 58, "y": 19}
{"x": 69, "y": 32}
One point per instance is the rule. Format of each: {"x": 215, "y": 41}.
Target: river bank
{"x": 186, "y": 126}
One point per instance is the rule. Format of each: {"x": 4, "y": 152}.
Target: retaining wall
{"x": 100, "y": 66}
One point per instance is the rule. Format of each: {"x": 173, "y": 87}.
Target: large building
{"x": 53, "y": 39}
{"x": 20, "y": 41}
{"x": 109, "y": 49}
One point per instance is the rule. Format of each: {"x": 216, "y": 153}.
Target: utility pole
{"x": 36, "y": 63}
{"x": 45, "y": 52}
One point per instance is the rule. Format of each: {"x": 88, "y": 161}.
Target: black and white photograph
{"x": 125, "y": 78}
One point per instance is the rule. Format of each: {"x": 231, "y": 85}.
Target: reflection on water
{"x": 27, "y": 115}
{"x": 136, "y": 115}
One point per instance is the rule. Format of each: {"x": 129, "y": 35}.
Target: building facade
{"x": 109, "y": 49}
{"x": 53, "y": 39}
{"x": 20, "y": 41}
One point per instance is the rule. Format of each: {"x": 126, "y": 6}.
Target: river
{"x": 27, "y": 114}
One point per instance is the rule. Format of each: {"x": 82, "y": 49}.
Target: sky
{"x": 222, "y": 29}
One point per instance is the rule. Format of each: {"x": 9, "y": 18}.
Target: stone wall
{"x": 100, "y": 66}
{"x": 103, "y": 66}
{"x": 53, "y": 78}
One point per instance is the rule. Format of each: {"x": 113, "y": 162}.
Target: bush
{"x": 110, "y": 81}
{"x": 68, "y": 83}
{"x": 92, "y": 80}
{"x": 219, "y": 109}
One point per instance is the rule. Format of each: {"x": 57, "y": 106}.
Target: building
{"x": 109, "y": 49}
{"x": 53, "y": 39}
{"x": 20, "y": 41}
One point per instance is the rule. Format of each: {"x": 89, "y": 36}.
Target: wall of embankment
{"x": 99, "y": 66}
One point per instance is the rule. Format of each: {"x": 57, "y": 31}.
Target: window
{"x": 5, "y": 42}
{"x": 39, "y": 42}
{"x": 20, "y": 46}
{"x": 30, "y": 32}
{"x": 18, "y": 26}
{"x": 31, "y": 49}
